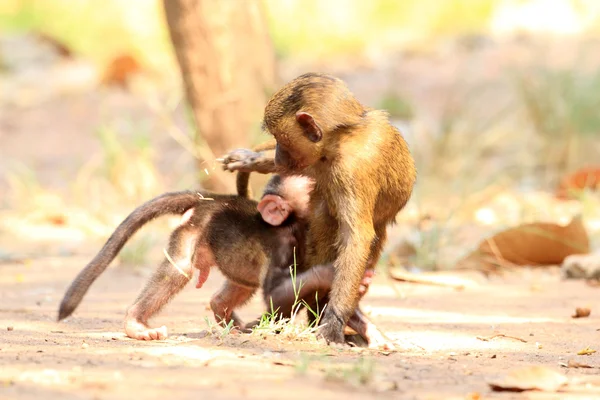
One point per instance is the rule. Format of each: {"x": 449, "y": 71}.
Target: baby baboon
{"x": 244, "y": 238}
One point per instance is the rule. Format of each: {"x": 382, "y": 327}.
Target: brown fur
{"x": 363, "y": 173}
{"x": 226, "y": 231}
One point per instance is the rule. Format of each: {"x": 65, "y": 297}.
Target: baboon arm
{"x": 268, "y": 145}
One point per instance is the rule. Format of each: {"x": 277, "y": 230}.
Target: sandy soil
{"x": 437, "y": 329}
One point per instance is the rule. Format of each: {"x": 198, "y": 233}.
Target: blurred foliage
{"x": 136, "y": 252}
{"x": 336, "y": 27}
{"x": 559, "y": 102}
{"x": 562, "y": 106}
{"x": 128, "y": 165}
{"x": 100, "y": 29}
{"x": 398, "y": 106}
{"x": 96, "y": 29}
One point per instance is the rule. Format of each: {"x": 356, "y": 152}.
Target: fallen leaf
{"x": 532, "y": 244}
{"x": 57, "y": 219}
{"x": 120, "y": 69}
{"x": 530, "y": 378}
{"x": 575, "y": 364}
{"x": 585, "y": 178}
{"x": 586, "y": 352}
{"x": 581, "y": 312}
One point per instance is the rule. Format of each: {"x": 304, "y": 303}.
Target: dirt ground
{"x": 439, "y": 332}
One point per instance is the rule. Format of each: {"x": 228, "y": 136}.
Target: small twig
{"x": 425, "y": 280}
{"x": 173, "y": 263}
{"x": 487, "y": 339}
{"x": 202, "y": 197}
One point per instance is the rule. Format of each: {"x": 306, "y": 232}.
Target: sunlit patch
{"x": 433, "y": 341}
{"x": 195, "y": 353}
{"x": 549, "y": 16}
{"x": 486, "y": 216}
{"x": 415, "y": 315}
{"x": 46, "y": 377}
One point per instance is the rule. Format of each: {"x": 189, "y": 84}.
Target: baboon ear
{"x": 273, "y": 209}
{"x": 310, "y": 127}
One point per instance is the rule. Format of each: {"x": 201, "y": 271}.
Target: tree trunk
{"x": 228, "y": 66}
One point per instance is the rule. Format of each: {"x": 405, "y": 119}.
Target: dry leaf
{"x": 572, "y": 184}
{"x": 581, "y": 312}
{"x": 575, "y": 364}
{"x": 120, "y": 69}
{"x": 530, "y": 378}
{"x": 530, "y": 244}
{"x": 57, "y": 219}
{"x": 586, "y": 352}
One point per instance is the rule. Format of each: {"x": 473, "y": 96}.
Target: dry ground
{"x": 436, "y": 328}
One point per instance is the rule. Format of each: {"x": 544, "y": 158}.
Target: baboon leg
{"x": 227, "y": 299}
{"x": 168, "y": 280}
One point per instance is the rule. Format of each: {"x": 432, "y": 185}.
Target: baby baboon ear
{"x": 274, "y": 209}
{"x": 311, "y": 130}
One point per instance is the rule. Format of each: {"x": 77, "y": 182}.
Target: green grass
{"x": 272, "y": 323}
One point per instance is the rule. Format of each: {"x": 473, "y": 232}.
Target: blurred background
{"x": 107, "y": 103}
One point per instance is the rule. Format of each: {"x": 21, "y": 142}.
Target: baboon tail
{"x": 169, "y": 203}
{"x": 242, "y": 184}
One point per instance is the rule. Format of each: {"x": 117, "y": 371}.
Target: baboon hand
{"x": 244, "y": 160}
{"x": 240, "y": 160}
